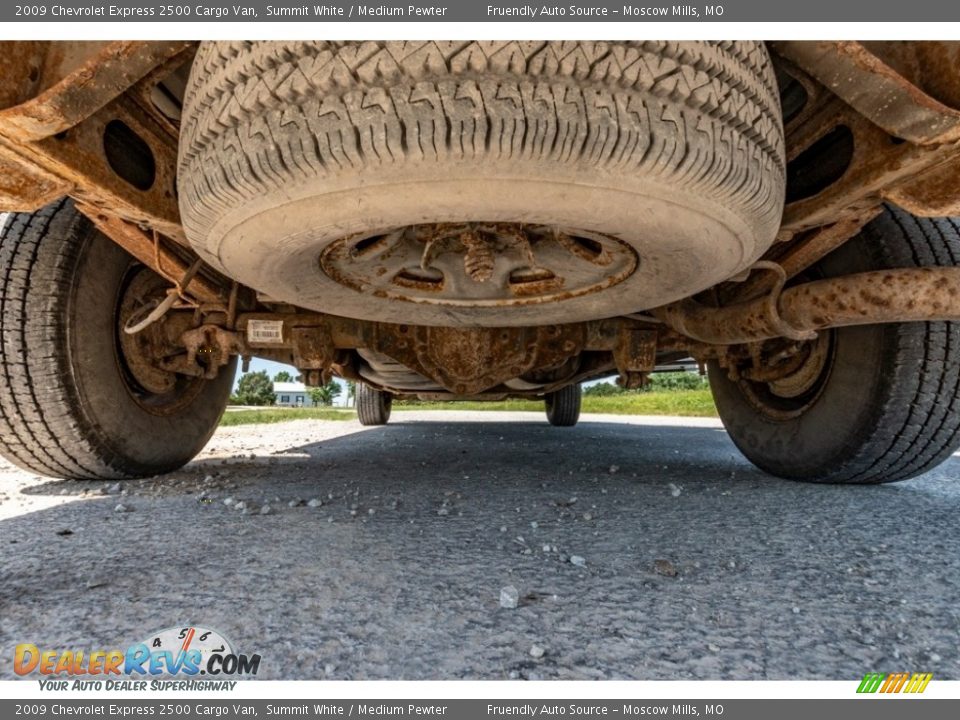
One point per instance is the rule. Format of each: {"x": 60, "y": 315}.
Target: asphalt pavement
{"x": 638, "y": 549}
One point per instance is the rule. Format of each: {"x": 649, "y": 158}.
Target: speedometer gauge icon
{"x": 180, "y": 640}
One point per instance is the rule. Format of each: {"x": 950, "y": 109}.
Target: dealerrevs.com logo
{"x": 174, "y": 652}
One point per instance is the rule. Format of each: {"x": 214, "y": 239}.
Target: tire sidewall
{"x": 133, "y": 440}
{"x": 827, "y": 434}
{"x": 661, "y": 223}
{"x": 829, "y": 440}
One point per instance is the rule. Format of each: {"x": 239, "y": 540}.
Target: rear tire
{"x": 563, "y": 406}
{"x": 886, "y": 404}
{"x": 69, "y": 405}
{"x": 373, "y": 406}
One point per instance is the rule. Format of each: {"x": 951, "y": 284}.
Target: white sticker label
{"x": 268, "y": 332}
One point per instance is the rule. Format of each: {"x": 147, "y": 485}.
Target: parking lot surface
{"x": 639, "y": 548}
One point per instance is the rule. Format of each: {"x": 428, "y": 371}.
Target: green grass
{"x": 688, "y": 403}
{"x": 275, "y": 415}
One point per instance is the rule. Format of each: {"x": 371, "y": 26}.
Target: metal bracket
{"x": 211, "y": 343}
{"x": 635, "y": 355}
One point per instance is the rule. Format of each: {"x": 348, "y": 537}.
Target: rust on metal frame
{"x": 876, "y": 90}
{"x": 468, "y": 361}
{"x": 48, "y": 88}
{"x": 57, "y": 102}
{"x": 906, "y": 142}
{"x": 155, "y": 254}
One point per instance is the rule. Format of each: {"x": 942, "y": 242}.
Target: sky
{"x": 272, "y": 368}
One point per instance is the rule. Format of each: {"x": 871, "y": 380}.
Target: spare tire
{"x": 482, "y": 183}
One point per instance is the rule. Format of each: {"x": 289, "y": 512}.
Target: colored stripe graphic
{"x": 918, "y": 682}
{"x": 870, "y": 683}
{"x": 895, "y": 683}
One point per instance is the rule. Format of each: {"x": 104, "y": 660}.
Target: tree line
{"x": 256, "y": 388}
{"x": 659, "y": 382}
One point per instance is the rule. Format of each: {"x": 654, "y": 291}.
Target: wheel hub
{"x": 801, "y": 380}
{"x": 140, "y": 351}
{"x": 479, "y": 264}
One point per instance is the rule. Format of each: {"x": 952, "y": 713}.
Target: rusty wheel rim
{"x": 795, "y": 392}
{"x": 158, "y": 391}
{"x": 479, "y": 264}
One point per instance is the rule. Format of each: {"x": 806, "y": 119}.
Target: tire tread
{"x": 373, "y": 406}
{"x": 563, "y": 406}
{"x": 922, "y": 410}
{"x": 259, "y": 116}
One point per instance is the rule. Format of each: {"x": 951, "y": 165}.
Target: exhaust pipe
{"x": 884, "y": 296}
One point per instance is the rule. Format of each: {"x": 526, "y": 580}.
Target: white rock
{"x": 537, "y": 652}
{"x": 578, "y": 560}
{"x": 228, "y": 501}
{"x": 315, "y": 502}
{"x": 509, "y": 597}
{"x": 266, "y": 510}
{"x": 121, "y": 508}
{"x": 675, "y": 490}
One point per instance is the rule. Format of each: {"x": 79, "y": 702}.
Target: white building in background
{"x": 291, "y": 394}
{"x": 296, "y": 394}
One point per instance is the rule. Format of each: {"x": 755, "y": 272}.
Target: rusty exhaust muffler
{"x": 901, "y": 295}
